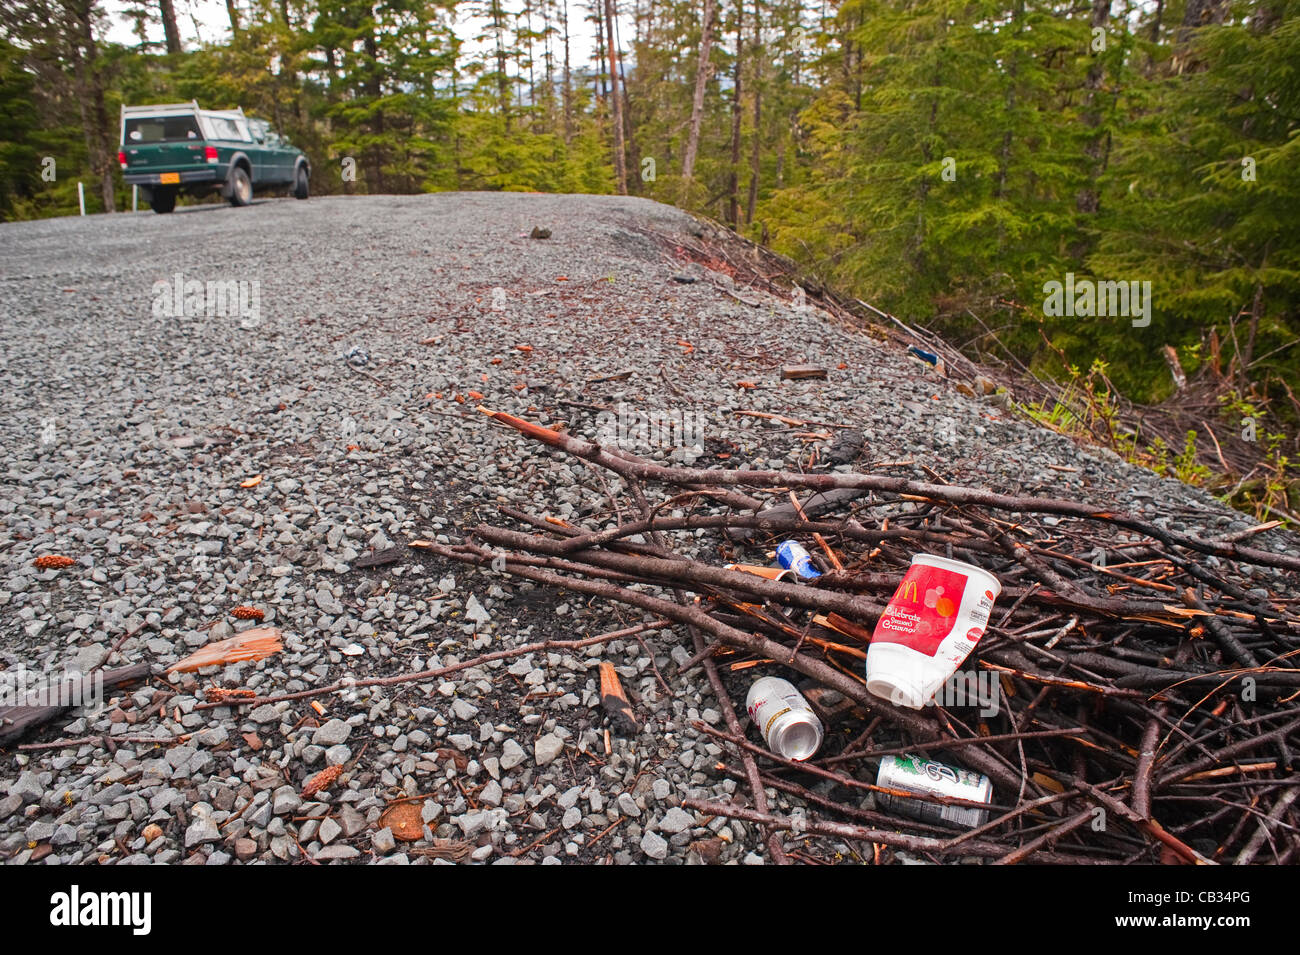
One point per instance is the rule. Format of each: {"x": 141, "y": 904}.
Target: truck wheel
{"x": 241, "y": 188}
{"x": 300, "y": 189}
{"x": 163, "y": 200}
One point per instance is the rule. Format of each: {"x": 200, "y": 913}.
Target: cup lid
{"x": 961, "y": 567}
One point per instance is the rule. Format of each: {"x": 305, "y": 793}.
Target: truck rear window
{"x": 164, "y": 129}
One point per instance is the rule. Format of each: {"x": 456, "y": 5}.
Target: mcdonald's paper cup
{"x": 932, "y": 623}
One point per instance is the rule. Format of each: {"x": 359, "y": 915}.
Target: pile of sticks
{"x": 1150, "y": 703}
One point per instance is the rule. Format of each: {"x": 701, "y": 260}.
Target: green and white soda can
{"x": 928, "y": 777}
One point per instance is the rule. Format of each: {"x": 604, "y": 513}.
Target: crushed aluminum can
{"x": 787, "y": 723}
{"x": 927, "y": 777}
{"x": 792, "y": 556}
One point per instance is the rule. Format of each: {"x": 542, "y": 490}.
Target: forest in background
{"x": 941, "y": 160}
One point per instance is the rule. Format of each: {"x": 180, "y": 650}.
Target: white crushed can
{"x": 789, "y": 726}
{"x": 928, "y": 777}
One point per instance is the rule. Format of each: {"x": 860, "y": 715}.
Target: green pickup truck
{"x": 175, "y": 148}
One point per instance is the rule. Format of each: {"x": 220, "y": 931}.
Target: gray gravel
{"x": 126, "y": 435}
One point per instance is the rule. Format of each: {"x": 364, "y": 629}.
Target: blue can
{"x": 792, "y": 556}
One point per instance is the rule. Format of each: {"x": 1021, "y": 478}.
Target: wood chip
{"x": 380, "y": 558}
{"x": 802, "y": 371}
{"x": 404, "y": 820}
{"x": 254, "y": 644}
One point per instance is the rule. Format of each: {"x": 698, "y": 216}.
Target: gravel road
{"x": 130, "y": 417}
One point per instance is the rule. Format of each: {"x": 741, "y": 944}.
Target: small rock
{"x": 332, "y": 733}
{"x": 475, "y": 613}
{"x": 27, "y": 788}
{"x": 512, "y": 754}
{"x": 545, "y": 749}
{"x": 285, "y": 801}
{"x": 351, "y": 821}
{"x": 212, "y": 736}
{"x": 90, "y": 657}
{"x": 266, "y": 713}
{"x": 39, "y": 831}
{"x": 10, "y": 805}
{"x": 331, "y": 853}
{"x": 201, "y": 831}
{"x": 654, "y": 845}
{"x": 383, "y": 841}
{"x": 463, "y": 710}
{"x": 676, "y": 820}
{"x": 329, "y": 831}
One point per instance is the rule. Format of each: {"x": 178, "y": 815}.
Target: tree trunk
{"x": 233, "y": 12}
{"x": 194, "y": 22}
{"x": 503, "y": 92}
{"x": 1196, "y": 14}
{"x": 620, "y": 158}
{"x": 377, "y": 153}
{"x": 733, "y": 175}
{"x": 528, "y": 47}
{"x": 1089, "y": 199}
{"x": 45, "y": 704}
{"x": 602, "y": 86}
{"x": 548, "y": 80}
{"x": 697, "y": 104}
{"x": 629, "y": 150}
{"x": 756, "y": 152}
{"x": 84, "y": 53}
{"x": 568, "y": 82}
{"x": 1256, "y": 310}
{"x": 1004, "y": 158}
{"x": 171, "y": 34}
{"x": 1199, "y": 13}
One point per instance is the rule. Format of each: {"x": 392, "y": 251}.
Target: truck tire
{"x": 241, "y": 187}
{"x": 300, "y": 183}
{"x": 163, "y": 200}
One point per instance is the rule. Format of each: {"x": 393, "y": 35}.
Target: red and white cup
{"x": 934, "y": 620}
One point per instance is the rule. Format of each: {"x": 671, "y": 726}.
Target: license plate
{"x": 169, "y": 178}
